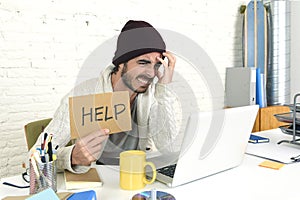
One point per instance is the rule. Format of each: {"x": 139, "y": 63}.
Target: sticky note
{"x": 47, "y": 194}
{"x": 271, "y": 164}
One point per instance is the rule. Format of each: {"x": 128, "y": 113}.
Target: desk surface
{"x": 247, "y": 181}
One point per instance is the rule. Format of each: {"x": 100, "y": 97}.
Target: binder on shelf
{"x": 240, "y": 86}
{"x": 261, "y": 99}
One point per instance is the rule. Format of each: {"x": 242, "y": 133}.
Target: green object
{"x": 33, "y": 130}
{"x": 242, "y": 9}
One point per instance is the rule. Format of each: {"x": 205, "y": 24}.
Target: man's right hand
{"x": 87, "y": 149}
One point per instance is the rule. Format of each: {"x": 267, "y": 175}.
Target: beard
{"x": 127, "y": 80}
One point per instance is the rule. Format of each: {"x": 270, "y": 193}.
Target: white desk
{"x": 248, "y": 181}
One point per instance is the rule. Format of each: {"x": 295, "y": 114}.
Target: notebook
{"x": 213, "y": 142}
{"x": 90, "y": 179}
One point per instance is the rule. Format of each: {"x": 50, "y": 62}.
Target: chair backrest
{"x": 33, "y": 130}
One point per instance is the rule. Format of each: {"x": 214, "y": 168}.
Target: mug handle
{"x": 146, "y": 181}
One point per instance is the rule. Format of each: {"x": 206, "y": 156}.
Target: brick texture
{"x": 44, "y": 44}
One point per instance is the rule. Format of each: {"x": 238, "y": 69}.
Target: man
{"x": 139, "y": 55}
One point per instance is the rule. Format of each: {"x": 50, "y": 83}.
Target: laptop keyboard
{"x": 168, "y": 170}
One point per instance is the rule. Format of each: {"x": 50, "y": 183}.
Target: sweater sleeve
{"x": 64, "y": 161}
{"x": 162, "y": 119}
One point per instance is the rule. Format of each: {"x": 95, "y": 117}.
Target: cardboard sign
{"x": 98, "y": 111}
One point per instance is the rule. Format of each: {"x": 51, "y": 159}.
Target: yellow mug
{"x": 133, "y": 170}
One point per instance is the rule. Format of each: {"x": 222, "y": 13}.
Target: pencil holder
{"x": 42, "y": 176}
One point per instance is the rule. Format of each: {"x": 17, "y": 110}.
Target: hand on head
{"x": 88, "y": 148}
{"x": 166, "y": 76}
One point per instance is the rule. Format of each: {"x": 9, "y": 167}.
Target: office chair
{"x": 33, "y": 130}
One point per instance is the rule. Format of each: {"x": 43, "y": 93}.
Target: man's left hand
{"x": 166, "y": 76}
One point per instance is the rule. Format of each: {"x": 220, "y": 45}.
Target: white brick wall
{"x": 44, "y": 43}
{"x": 295, "y": 48}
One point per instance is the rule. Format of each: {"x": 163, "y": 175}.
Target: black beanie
{"x": 137, "y": 38}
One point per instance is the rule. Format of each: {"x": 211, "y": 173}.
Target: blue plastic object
{"x": 86, "y": 195}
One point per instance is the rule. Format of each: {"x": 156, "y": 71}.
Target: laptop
{"x": 214, "y": 142}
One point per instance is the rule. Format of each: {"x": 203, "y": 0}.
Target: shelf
{"x": 288, "y": 129}
{"x": 288, "y": 117}
{"x": 291, "y": 106}
{"x": 293, "y": 118}
{"x": 266, "y": 120}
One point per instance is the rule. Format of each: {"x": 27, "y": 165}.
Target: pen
{"x": 35, "y": 168}
{"x": 43, "y": 159}
{"x": 37, "y": 157}
{"x": 54, "y": 157}
{"x": 54, "y": 153}
{"x": 44, "y": 142}
{"x": 46, "y": 158}
{"x": 39, "y": 150}
{"x": 50, "y": 151}
{"x": 49, "y": 138}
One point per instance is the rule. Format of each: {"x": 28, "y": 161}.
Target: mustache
{"x": 147, "y": 78}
